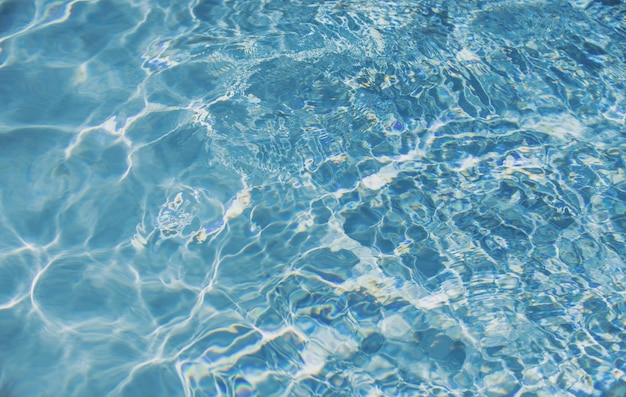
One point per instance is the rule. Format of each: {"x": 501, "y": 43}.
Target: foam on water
{"x": 272, "y": 198}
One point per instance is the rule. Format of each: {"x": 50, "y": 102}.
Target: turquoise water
{"x": 302, "y": 198}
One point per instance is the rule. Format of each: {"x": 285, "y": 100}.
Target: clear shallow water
{"x": 354, "y": 198}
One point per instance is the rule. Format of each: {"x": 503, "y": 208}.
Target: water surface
{"x": 298, "y": 198}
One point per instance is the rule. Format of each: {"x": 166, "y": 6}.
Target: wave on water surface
{"x": 359, "y": 198}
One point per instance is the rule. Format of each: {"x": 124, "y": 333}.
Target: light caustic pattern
{"x": 339, "y": 198}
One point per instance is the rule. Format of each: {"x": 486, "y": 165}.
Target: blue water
{"x": 303, "y": 198}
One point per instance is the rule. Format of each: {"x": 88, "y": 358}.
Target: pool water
{"x": 303, "y": 198}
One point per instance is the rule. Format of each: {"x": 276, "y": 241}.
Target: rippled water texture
{"x": 302, "y": 198}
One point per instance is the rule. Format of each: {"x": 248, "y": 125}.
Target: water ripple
{"x": 282, "y": 198}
